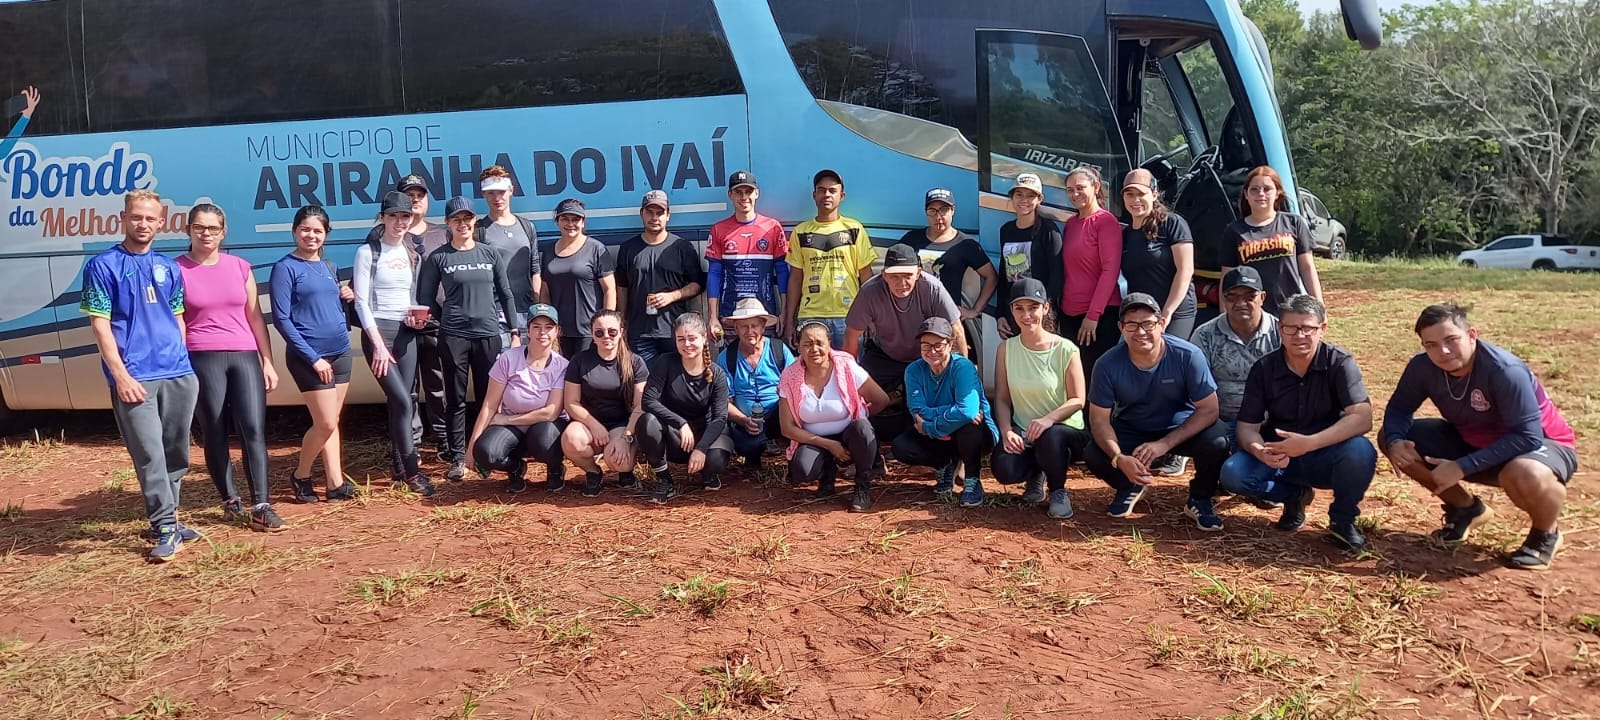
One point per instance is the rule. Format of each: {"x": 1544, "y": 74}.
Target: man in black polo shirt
{"x": 1303, "y": 425}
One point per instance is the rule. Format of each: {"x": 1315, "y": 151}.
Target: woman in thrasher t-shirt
{"x": 1275, "y": 242}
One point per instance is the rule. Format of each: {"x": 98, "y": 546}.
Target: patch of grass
{"x": 470, "y": 517}
{"x": 902, "y": 595}
{"x": 1025, "y": 585}
{"x": 469, "y": 707}
{"x": 886, "y": 543}
{"x": 1239, "y": 603}
{"x": 30, "y": 454}
{"x": 733, "y": 686}
{"x": 630, "y": 609}
{"x": 700, "y": 593}
{"x": 404, "y": 588}
{"x": 770, "y": 548}
{"x": 1443, "y": 274}
{"x": 510, "y": 611}
{"x": 573, "y": 634}
{"x": 119, "y": 481}
{"x": 1585, "y": 622}
{"x": 1139, "y": 551}
{"x": 160, "y": 706}
{"x": 1218, "y": 654}
{"x": 12, "y": 511}
{"x": 1309, "y": 704}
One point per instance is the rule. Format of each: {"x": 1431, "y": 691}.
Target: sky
{"x": 1309, "y": 7}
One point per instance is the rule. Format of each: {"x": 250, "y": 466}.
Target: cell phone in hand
{"x": 16, "y": 104}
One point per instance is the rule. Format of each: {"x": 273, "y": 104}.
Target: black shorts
{"x": 1440, "y": 439}
{"x": 305, "y": 376}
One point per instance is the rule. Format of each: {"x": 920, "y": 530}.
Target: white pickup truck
{"x": 1539, "y": 252}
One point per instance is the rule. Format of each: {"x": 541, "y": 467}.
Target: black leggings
{"x": 1106, "y": 336}
{"x": 812, "y": 464}
{"x": 430, "y": 415}
{"x": 969, "y": 445}
{"x": 232, "y": 392}
{"x": 1050, "y": 455}
{"x": 501, "y": 446}
{"x": 463, "y": 356}
{"x": 397, "y": 385}
{"x": 662, "y": 444}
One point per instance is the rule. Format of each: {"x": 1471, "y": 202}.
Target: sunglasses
{"x": 607, "y": 332}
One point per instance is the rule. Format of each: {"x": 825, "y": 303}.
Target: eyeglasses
{"x": 607, "y": 332}
{"x": 934, "y": 346}
{"x": 1300, "y": 330}
{"x": 205, "y": 229}
{"x": 462, "y": 218}
{"x": 1148, "y": 326}
{"x": 940, "y": 211}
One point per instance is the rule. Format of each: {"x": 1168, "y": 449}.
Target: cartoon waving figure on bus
{"x": 29, "y": 99}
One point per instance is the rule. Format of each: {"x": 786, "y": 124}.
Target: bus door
{"x": 1043, "y": 109}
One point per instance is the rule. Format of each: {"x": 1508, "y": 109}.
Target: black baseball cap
{"x": 395, "y": 201}
{"x": 1028, "y": 289}
{"x": 571, "y": 206}
{"x": 457, "y": 205}
{"x": 1243, "y": 276}
{"x": 1135, "y": 301}
{"x": 900, "y": 258}
{"x": 826, "y": 173}
{"x": 411, "y": 181}
{"x": 742, "y": 177}
{"x": 939, "y": 194}
{"x": 936, "y": 326}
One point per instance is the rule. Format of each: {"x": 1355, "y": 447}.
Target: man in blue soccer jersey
{"x": 134, "y": 299}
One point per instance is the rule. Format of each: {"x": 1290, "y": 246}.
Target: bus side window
{"x": 37, "y": 52}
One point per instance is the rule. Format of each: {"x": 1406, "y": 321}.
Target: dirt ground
{"x": 759, "y": 601}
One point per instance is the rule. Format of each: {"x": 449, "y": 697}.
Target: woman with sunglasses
{"x": 477, "y": 295}
{"x": 604, "y": 395}
{"x": 686, "y": 411}
{"x": 232, "y": 357}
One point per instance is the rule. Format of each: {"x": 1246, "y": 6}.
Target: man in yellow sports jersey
{"x": 831, "y": 257}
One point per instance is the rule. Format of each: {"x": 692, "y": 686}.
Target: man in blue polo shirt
{"x": 1303, "y": 425}
{"x": 754, "y": 364}
{"x": 134, "y": 299}
{"x": 1150, "y": 396}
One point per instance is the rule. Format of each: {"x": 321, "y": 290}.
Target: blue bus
{"x": 262, "y": 106}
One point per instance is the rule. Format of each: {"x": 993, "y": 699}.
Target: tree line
{"x": 1477, "y": 118}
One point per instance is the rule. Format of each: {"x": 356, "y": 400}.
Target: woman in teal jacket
{"x": 951, "y": 422}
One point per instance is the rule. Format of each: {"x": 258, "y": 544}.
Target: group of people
{"x": 580, "y": 357}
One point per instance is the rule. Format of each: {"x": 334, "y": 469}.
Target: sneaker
{"x": 1204, "y": 514}
{"x": 345, "y": 491}
{"x": 1266, "y": 504}
{"x": 263, "y": 519}
{"x": 945, "y": 479}
{"x": 1170, "y": 465}
{"x": 304, "y": 492}
{"x": 188, "y": 534}
{"x": 457, "y": 471}
{"x": 664, "y": 489}
{"x": 627, "y": 480}
{"x": 418, "y": 484}
{"x": 1033, "y": 492}
{"x": 825, "y": 488}
{"x": 862, "y": 501}
{"x": 515, "y": 482}
{"x": 1347, "y": 537}
{"x": 1294, "y": 511}
{"x": 591, "y": 484}
{"x": 971, "y": 492}
{"x": 1537, "y": 552}
{"x": 1122, "y": 503}
{"x": 233, "y": 511}
{"x": 168, "y": 542}
{"x": 711, "y": 482}
{"x": 1060, "y": 504}
{"x": 555, "y": 476}
{"x": 1460, "y": 522}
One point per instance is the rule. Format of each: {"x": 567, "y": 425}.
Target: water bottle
{"x": 758, "y": 413}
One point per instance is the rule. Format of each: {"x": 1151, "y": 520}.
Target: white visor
{"x": 495, "y": 183}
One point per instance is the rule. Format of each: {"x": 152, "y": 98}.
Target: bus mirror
{"x": 1362, "y": 22}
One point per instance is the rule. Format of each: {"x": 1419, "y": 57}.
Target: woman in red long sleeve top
{"x": 1092, "y": 257}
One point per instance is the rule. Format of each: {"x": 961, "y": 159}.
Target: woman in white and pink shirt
{"x": 232, "y": 358}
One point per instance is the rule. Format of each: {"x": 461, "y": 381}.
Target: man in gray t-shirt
{"x": 890, "y": 309}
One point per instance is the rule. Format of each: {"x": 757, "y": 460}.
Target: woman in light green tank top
{"x": 1039, "y": 399}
